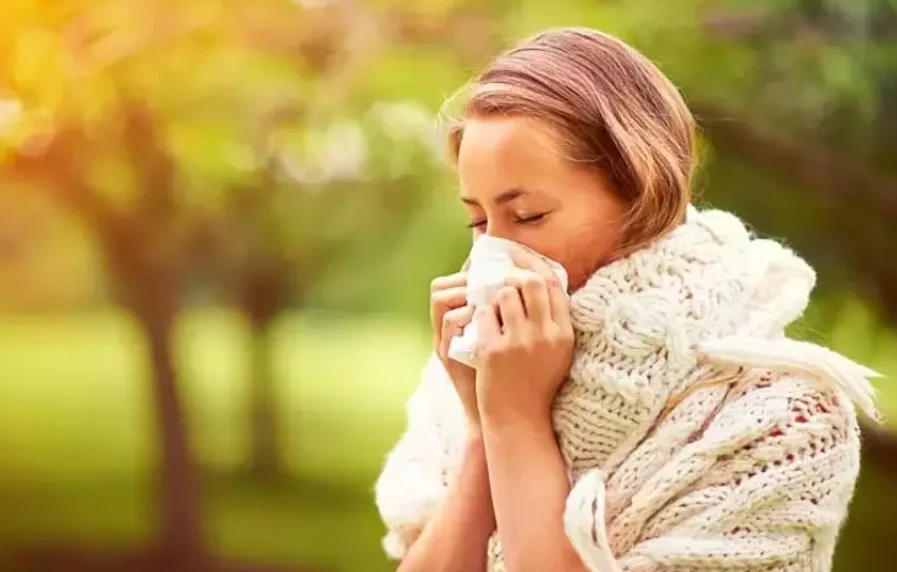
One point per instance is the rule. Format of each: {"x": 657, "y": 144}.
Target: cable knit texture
{"x": 695, "y": 434}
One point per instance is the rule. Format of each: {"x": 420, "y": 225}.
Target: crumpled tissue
{"x": 490, "y": 266}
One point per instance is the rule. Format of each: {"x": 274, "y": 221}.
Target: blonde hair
{"x": 614, "y": 110}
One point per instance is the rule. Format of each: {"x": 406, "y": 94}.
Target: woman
{"x": 658, "y": 418}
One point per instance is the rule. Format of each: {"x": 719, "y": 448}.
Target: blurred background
{"x": 219, "y": 220}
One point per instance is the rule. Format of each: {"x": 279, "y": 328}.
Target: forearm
{"x": 529, "y": 491}
{"x": 456, "y": 538}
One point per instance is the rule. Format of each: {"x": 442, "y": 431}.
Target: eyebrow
{"x": 504, "y": 197}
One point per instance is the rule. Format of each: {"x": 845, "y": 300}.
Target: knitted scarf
{"x": 696, "y": 434}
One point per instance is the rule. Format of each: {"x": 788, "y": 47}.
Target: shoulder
{"x": 787, "y": 422}
{"x": 790, "y": 398}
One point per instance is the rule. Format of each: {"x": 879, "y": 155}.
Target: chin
{"x": 580, "y": 273}
{"x": 577, "y": 281}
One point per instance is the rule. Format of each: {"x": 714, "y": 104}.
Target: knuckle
{"x": 454, "y": 317}
{"x": 437, "y": 298}
{"x": 539, "y": 341}
{"x": 487, "y": 352}
{"x": 506, "y": 293}
{"x": 442, "y": 300}
{"x": 449, "y": 318}
{"x": 541, "y": 344}
{"x": 530, "y": 345}
{"x": 519, "y": 343}
{"x": 562, "y": 337}
{"x": 531, "y": 280}
{"x": 551, "y": 337}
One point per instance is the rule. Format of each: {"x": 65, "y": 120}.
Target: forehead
{"x": 501, "y": 152}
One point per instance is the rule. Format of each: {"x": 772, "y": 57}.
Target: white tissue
{"x": 490, "y": 266}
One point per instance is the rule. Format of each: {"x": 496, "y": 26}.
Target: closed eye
{"x": 531, "y": 219}
{"x": 527, "y": 219}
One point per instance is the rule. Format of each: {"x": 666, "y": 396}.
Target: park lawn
{"x": 76, "y": 445}
{"x": 76, "y": 435}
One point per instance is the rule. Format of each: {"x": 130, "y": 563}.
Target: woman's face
{"x": 516, "y": 183}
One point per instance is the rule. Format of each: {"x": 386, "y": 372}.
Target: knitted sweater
{"x": 751, "y": 469}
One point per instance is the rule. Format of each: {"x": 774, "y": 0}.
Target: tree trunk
{"x": 180, "y": 523}
{"x": 262, "y": 292}
{"x": 150, "y": 289}
{"x": 265, "y": 442}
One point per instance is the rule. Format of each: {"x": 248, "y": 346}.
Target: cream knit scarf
{"x": 696, "y": 435}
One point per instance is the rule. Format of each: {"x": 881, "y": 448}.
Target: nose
{"x": 497, "y": 231}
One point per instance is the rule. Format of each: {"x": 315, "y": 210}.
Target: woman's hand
{"x": 449, "y": 314}
{"x": 457, "y": 536}
{"x": 526, "y": 345}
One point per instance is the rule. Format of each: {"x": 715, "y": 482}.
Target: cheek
{"x": 580, "y": 265}
{"x": 586, "y": 248}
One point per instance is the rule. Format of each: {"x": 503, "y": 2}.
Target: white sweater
{"x": 752, "y": 470}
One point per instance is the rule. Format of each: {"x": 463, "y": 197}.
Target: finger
{"x": 450, "y": 281}
{"x": 488, "y": 328}
{"x": 529, "y": 260}
{"x": 534, "y": 290}
{"x": 453, "y": 325}
{"x": 559, "y": 304}
{"x": 443, "y": 300}
{"x": 510, "y": 310}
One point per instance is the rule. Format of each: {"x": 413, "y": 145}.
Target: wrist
{"x": 519, "y": 425}
{"x": 475, "y": 446}
{"x": 474, "y": 432}
{"x": 499, "y": 409}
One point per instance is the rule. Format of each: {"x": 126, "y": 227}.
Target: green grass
{"x": 76, "y": 438}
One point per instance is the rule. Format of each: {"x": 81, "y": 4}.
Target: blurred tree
{"x": 146, "y": 278}
{"x": 355, "y": 181}
{"x": 332, "y": 171}
{"x": 257, "y": 181}
{"x": 38, "y": 244}
{"x": 123, "y": 116}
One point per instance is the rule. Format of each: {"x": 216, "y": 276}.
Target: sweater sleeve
{"x": 415, "y": 475}
{"x": 765, "y": 487}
